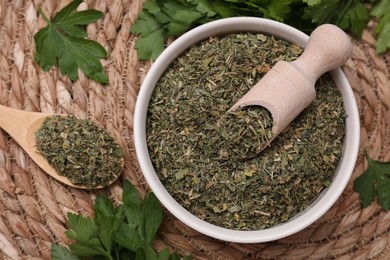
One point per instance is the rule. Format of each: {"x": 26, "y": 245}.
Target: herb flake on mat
{"x": 185, "y": 143}
{"x": 374, "y": 183}
{"x": 125, "y": 231}
{"x": 80, "y": 150}
{"x": 62, "y": 43}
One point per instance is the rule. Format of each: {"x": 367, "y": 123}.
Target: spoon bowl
{"x": 22, "y": 126}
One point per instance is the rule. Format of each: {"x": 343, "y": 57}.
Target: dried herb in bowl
{"x": 208, "y": 168}
{"x": 80, "y": 150}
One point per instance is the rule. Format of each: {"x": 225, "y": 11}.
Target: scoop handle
{"x": 328, "y": 48}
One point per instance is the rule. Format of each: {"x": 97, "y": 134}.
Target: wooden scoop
{"x": 288, "y": 88}
{"x": 22, "y": 126}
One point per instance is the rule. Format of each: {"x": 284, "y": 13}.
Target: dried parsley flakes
{"x": 80, "y": 150}
{"x": 191, "y": 152}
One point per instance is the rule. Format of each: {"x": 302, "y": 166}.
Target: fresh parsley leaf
{"x": 203, "y": 6}
{"x": 108, "y": 219}
{"x": 160, "y": 20}
{"x": 81, "y": 228}
{"x": 347, "y": 14}
{"x": 312, "y": 2}
{"x": 153, "y": 216}
{"x": 120, "y": 232}
{"x": 62, "y": 42}
{"x": 132, "y": 204}
{"x": 150, "y": 254}
{"x": 143, "y": 219}
{"x": 223, "y": 10}
{"x": 277, "y": 10}
{"x": 356, "y": 18}
{"x": 85, "y": 232}
{"x": 164, "y": 254}
{"x": 151, "y": 42}
{"x": 374, "y": 182}
{"x": 382, "y": 12}
{"x": 60, "y": 253}
{"x": 183, "y": 20}
{"x": 128, "y": 236}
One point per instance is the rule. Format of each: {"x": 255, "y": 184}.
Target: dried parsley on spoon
{"x": 80, "y": 150}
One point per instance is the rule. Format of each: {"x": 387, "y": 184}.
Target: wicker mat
{"x": 33, "y": 206}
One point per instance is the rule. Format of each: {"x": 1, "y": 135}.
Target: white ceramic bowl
{"x": 326, "y": 199}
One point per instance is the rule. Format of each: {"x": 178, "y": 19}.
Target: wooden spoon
{"x": 288, "y": 88}
{"x": 22, "y": 126}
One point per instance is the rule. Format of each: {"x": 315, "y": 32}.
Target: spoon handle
{"x": 328, "y": 48}
{"x": 15, "y": 122}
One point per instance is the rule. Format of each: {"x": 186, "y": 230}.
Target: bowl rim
{"x": 319, "y": 207}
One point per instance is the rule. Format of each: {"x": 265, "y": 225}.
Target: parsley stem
{"x": 43, "y": 15}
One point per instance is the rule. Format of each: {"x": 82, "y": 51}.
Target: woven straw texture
{"x": 33, "y": 206}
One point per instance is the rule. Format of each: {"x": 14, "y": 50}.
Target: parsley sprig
{"x": 62, "y": 43}
{"x": 161, "y": 19}
{"x": 374, "y": 183}
{"x": 118, "y": 232}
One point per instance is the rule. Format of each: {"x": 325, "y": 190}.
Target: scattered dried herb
{"x": 192, "y": 158}
{"x": 80, "y": 150}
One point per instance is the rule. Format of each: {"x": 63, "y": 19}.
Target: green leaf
{"x": 90, "y": 248}
{"x": 81, "y": 18}
{"x": 131, "y": 235}
{"x": 356, "y": 18}
{"x": 119, "y": 216}
{"x": 164, "y": 254}
{"x": 203, "y": 6}
{"x": 123, "y": 232}
{"x": 365, "y": 186}
{"x": 383, "y": 32}
{"x": 82, "y": 50}
{"x": 132, "y": 204}
{"x": 85, "y": 232}
{"x": 146, "y": 50}
{"x": 151, "y": 41}
{"x": 183, "y": 20}
{"x": 150, "y": 254}
{"x": 312, "y": 2}
{"x": 352, "y": 15}
{"x": 278, "y": 10}
{"x": 60, "y": 253}
{"x": 62, "y": 43}
{"x": 104, "y": 219}
{"x": 128, "y": 236}
{"x": 382, "y": 8}
{"x": 141, "y": 255}
{"x": 71, "y": 25}
{"x": 382, "y": 12}
{"x": 81, "y": 228}
{"x": 145, "y": 24}
{"x": 222, "y": 9}
{"x": 374, "y": 182}
{"x": 153, "y": 8}
{"x": 66, "y": 11}
{"x": 153, "y": 216}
